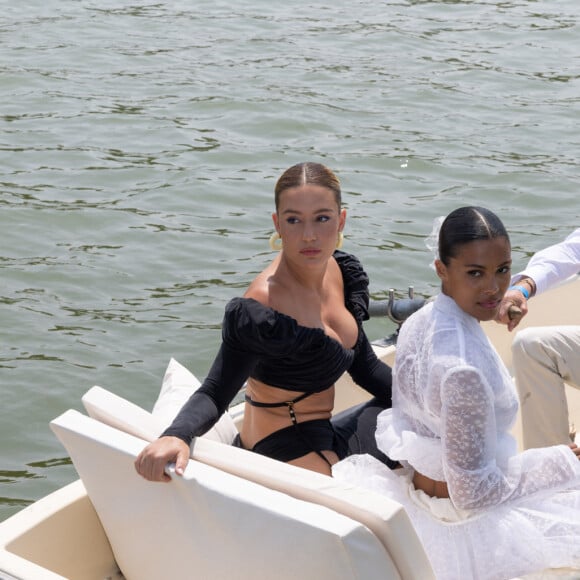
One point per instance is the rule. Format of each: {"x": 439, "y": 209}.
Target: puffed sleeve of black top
{"x": 367, "y": 370}
{"x": 249, "y": 331}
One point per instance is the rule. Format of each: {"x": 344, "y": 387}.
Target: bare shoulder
{"x": 269, "y": 286}
{"x": 334, "y": 275}
{"x": 334, "y": 268}
{"x": 259, "y": 289}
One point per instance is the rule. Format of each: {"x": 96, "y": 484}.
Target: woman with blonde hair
{"x": 296, "y": 330}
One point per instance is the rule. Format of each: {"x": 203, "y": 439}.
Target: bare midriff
{"x": 431, "y": 487}
{"x": 259, "y": 422}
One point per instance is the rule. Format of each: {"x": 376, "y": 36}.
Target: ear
{"x": 441, "y": 269}
{"x": 341, "y": 220}
{"x": 275, "y": 220}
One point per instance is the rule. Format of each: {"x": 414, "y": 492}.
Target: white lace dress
{"x": 454, "y": 404}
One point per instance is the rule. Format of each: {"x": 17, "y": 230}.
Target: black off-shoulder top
{"x": 273, "y": 348}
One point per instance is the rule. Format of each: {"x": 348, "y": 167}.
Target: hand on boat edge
{"x": 152, "y": 461}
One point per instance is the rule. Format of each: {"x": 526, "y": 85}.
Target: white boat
{"x": 233, "y": 514}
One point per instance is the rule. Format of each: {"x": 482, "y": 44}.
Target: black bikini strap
{"x": 288, "y": 404}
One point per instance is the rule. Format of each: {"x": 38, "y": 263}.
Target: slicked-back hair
{"x": 308, "y": 173}
{"x": 468, "y": 224}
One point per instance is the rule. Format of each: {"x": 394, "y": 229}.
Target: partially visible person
{"x": 545, "y": 358}
{"x": 296, "y": 330}
{"x": 481, "y": 509}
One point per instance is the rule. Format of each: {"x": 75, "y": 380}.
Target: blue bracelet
{"x": 523, "y": 290}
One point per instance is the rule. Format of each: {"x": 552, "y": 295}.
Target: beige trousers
{"x": 544, "y": 359}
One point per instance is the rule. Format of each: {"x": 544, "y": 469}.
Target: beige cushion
{"x": 211, "y": 524}
{"x": 386, "y": 518}
{"x": 117, "y": 412}
{"x": 177, "y": 386}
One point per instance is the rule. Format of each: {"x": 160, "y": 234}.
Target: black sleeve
{"x": 372, "y": 374}
{"x": 201, "y": 412}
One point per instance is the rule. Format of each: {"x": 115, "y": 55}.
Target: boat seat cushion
{"x": 177, "y": 386}
{"x": 208, "y": 523}
{"x": 384, "y": 517}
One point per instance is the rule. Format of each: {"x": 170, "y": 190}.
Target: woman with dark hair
{"x": 296, "y": 330}
{"x": 481, "y": 509}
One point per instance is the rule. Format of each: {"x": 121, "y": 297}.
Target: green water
{"x": 140, "y": 143}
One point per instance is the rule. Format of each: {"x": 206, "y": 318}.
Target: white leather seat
{"x": 208, "y": 523}
{"x": 387, "y": 519}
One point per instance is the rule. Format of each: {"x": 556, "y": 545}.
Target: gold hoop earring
{"x": 340, "y": 240}
{"x": 275, "y": 242}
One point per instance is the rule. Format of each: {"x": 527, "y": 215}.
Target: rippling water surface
{"x": 140, "y": 143}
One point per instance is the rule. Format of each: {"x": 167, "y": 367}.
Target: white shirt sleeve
{"x": 553, "y": 264}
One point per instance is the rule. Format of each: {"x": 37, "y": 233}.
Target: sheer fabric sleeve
{"x": 469, "y": 439}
